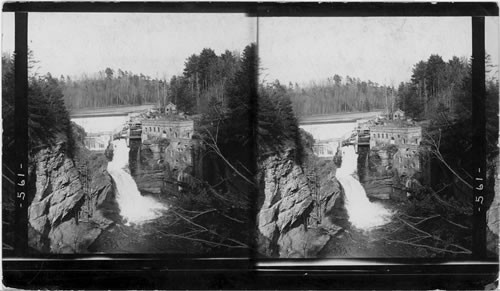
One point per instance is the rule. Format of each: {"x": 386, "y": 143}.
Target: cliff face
{"x": 378, "y": 172}
{"x": 493, "y": 216}
{"x": 148, "y": 167}
{"x": 287, "y": 224}
{"x": 152, "y": 163}
{"x": 59, "y": 199}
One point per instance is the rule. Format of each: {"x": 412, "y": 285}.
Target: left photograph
{"x": 140, "y": 132}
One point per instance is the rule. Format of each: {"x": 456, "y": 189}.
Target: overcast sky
{"x": 155, "y": 44}
{"x": 381, "y": 49}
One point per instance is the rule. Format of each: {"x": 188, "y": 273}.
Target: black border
{"x": 21, "y": 129}
{"x": 163, "y": 271}
{"x": 267, "y": 9}
{"x": 479, "y": 139}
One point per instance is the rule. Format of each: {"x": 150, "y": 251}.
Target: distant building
{"x": 398, "y": 115}
{"x": 171, "y": 108}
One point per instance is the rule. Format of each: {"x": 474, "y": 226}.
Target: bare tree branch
{"x": 215, "y": 148}
{"x": 441, "y": 250}
{"x": 437, "y": 153}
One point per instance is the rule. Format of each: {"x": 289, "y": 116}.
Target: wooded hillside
{"x": 339, "y": 95}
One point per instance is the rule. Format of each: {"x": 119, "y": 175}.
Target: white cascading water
{"x": 363, "y": 214}
{"x": 134, "y": 207}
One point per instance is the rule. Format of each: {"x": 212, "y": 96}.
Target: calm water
{"x": 100, "y": 124}
{"x": 329, "y": 131}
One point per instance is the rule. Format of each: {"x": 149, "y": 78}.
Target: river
{"x": 328, "y": 131}
{"x": 101, "y": 123}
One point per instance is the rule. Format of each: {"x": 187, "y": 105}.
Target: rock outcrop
{"x": 493, "y": 216}
{"x": 287, "y": 224}
{"x": 378, "y": 175}
{"x": 148, "y": 167}
{"x": 157, "y": 165}
{"x": 54, "y": 224}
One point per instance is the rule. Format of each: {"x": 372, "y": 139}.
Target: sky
{"x": 300, "y": 49}
{"x": 154, "y": 44}
{"x": 380, "y": 49}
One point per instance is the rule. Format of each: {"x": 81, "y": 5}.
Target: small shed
{"x": 398, "y": 114}
{"x": 171, "y": 108}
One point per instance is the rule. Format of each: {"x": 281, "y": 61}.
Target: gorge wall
{"x": 288, "y": 222}
{"x": 493, "y": 215}
{"x": 59, "y": 218}
{"x": 153, "y": 162}
{"x": 381, "y": 175}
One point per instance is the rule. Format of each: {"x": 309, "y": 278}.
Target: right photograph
{"x": 364, "y": 134}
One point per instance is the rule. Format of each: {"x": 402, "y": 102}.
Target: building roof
{"x": 171, "y": 119}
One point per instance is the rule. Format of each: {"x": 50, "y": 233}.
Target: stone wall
{"x": 407, "y": 160}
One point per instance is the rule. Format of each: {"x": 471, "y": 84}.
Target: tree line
{"x": 440, "y": 92}
{"x": 435, "y": 86}
{"x": 48, "y": 118}
{"x": 206, "y": 79}
{"x": 110, "y": 88}
{"x": 336, "y": 94}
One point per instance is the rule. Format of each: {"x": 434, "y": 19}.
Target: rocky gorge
{"x": 379, "y": 175}
{"x": 68, "y": 211}
{"x": 294, "y": 220}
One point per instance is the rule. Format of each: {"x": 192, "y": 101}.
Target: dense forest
{"x": 48, "y": 118}
{"x": 440, "y": 95}
{"x": 111, "y": 88}
{"x": 338, "y": 95}
{"x": 435, "y": 86}
{"x": 206, "y": 76}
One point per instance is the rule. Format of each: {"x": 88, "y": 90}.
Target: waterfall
{"x": 134, "y": 207}
{"x": 362, "y": 213}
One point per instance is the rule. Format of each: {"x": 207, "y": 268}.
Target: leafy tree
{"x": 277, "y": 126}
